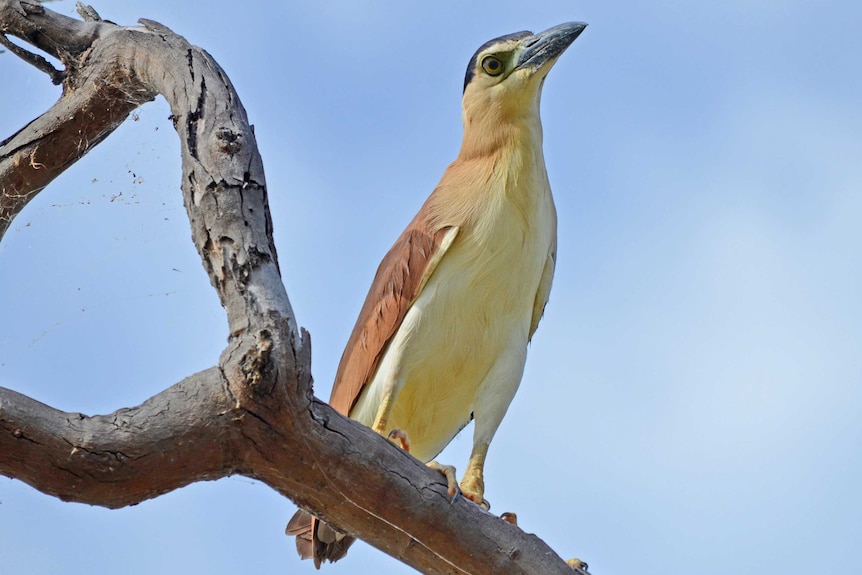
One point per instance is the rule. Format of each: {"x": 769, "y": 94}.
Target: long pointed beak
{"x": 544, "y": 47}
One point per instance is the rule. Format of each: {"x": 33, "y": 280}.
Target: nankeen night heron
{"x": 442, "y": 337}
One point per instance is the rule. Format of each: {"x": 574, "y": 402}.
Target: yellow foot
{"x": 400, "y": 437}
{"x": 449, "y": 472}
{"x": 473, "y": 488}
{"x": 510, "y": 517}
{"x": 579, "y": 566}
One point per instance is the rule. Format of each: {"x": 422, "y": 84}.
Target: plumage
{"x": 398, "y": 281}
{"x": 442, "y": 336}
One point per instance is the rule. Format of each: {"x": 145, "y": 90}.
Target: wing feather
{"x": 400, "y": 277}
{"x": 544, "y": 291}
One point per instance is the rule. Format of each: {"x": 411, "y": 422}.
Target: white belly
{"x": 478, "y": 303}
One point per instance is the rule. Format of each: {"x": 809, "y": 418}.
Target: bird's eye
{"x": 492, "y": 66}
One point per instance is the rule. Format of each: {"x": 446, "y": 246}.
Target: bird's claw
{"x": 473, "y": 487}
{"x": 484, "y": 503}
{"x": 510, "y": 517}
{"x": 449, "y": 472}
{"x": 579, "y": 566}
{"x": 455, "y": 490}
{"x": 399, "y": 436}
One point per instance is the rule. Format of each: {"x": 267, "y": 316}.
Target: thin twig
{"x": 39, "y": 62}
{"x": 87, "y": 12}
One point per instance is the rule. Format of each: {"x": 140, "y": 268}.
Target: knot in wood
{"x": 256, "y": 359}
{"x": 229, "y": 141}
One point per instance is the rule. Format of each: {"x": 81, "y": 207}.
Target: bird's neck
{"x": 495, "y": 130}
{"x": 500, "y": 161}
{"x": 499, "y": 164}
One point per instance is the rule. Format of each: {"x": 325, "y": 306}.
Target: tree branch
{"x": 34, "y": 59}
{"x": 254, "y": 414}
{"x": 123, "y": 458}
{"x": 98, "y": 95}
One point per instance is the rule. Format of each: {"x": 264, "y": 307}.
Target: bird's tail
{"x": 317, "y": 540}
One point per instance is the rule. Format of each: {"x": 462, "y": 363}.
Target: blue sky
{"x": 691, "y": 401}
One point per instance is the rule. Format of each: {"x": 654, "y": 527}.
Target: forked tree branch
{"x": 254, "y": 413}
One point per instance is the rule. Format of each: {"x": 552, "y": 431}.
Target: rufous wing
{"x": 400, "y": 278}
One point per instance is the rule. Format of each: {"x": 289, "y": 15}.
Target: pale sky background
{"x": 692, "y": 403}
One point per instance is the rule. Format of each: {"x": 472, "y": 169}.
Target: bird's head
{"x": 504, "y": 78}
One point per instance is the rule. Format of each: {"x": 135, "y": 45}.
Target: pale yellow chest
{"x": 478, "y": 303}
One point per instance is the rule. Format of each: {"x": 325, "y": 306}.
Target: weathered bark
{"x": 254, "y": 413}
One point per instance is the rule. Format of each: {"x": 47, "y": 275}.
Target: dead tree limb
{"x": 254, "y": 413}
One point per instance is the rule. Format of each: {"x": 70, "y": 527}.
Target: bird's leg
{"x": 473, "y": 483}
{"x": 383, "y": 412}
{"x": 380, "y": 422}
{"x": 396, "y": 435}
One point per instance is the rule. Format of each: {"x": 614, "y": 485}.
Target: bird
{"x": 442, "y": 337}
